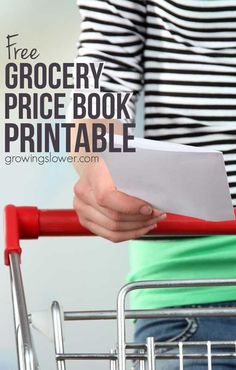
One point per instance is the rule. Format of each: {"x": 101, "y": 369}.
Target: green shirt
{"x": 182, "y": 258}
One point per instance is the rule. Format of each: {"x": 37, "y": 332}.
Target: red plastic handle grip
{"x": 31, "y": 223}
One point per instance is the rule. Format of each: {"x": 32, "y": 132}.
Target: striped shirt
{"x": 182, "y": 54}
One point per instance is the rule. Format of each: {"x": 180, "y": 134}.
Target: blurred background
{"x": 81, "y": 273}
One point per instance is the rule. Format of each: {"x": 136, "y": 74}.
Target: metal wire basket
{"x": 31, "y": 223}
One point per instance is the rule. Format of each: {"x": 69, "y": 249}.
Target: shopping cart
{"x": 31, "y": 223}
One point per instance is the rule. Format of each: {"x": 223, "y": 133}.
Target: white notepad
{"x": 175, "y": 178}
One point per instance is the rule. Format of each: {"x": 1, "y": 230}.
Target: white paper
{"x": 175, "y": 178}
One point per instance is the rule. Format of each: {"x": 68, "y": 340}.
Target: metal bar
{"x": 173, "y": 344}
{"x": 142, "y": 362}
{"x": 113, "y": 361}
{"x": 86, "y": 356}
{"x": 181, "y": 356}
{"x": 58, "y": 335}
{"x": 151, "y": 353}
{"x": 209, "y": 355}
{"x": 132, "y": 356}
{"x": 121, "y": 328}
{"x": 134, "y": 314}
{"x": 147, "y": 284}
{"x": 121, "y": 336}
{"x": 25, "y": 350}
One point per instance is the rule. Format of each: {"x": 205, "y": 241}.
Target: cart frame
{"x": 31, "y": 223}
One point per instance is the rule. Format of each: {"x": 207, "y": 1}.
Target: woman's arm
{"x": 112, "y": 32}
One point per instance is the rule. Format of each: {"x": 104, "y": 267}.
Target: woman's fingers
{"x": 90, "y": 199}
{"x": 110, "y": 213}
{"x": 116, "y": 236}
{"x": 92, "y": 214}
{"x": 123, "y": 203}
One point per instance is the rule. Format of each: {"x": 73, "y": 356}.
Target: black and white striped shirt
{"x": 183, "y": 54}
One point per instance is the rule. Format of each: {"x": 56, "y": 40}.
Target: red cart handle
{"x": 31, "y": 223}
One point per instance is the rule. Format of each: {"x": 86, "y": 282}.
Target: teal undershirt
{"x": 182, "y": 258}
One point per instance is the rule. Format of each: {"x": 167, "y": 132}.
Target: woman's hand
{"x": 110, "y": 213}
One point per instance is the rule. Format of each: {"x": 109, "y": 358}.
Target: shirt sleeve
{"x": 113, "y": 32}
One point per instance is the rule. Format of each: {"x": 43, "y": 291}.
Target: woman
{"x": 183, "y": 55}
